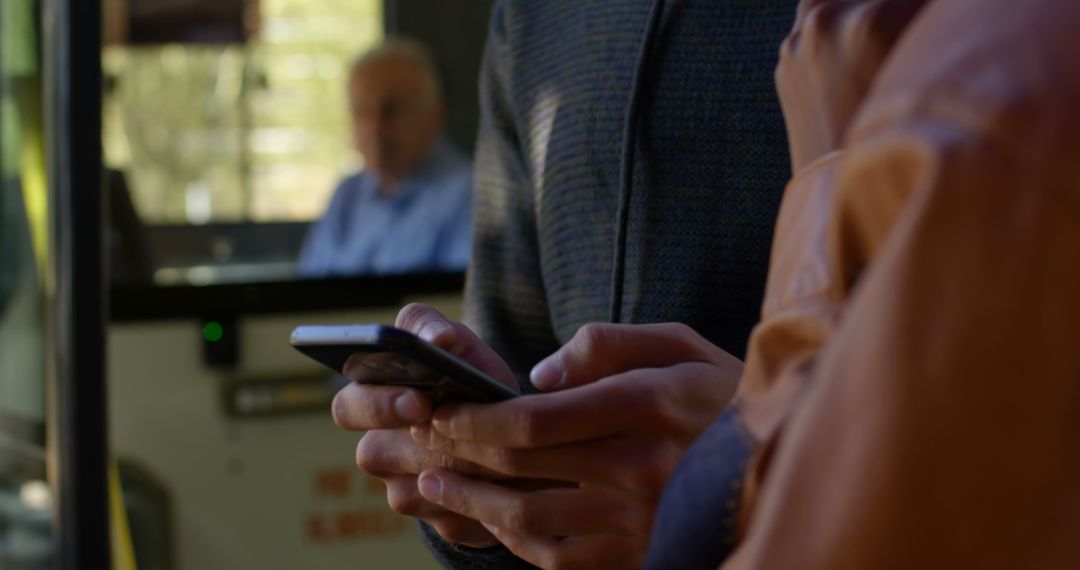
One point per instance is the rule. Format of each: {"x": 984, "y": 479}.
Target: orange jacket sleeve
{"x": 936, "y": 419}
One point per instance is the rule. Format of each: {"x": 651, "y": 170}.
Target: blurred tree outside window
{"x": 26, "y": 515}
{"x": 239, "y": 133}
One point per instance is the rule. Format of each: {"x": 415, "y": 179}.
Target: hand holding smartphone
{"x": 378, "y": 354}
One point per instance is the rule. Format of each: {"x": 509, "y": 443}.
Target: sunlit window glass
{"x": 244, "y": 131}
{"x": 26, "y": 500}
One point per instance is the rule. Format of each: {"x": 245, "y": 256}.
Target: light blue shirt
{"x": 424, "y": 226}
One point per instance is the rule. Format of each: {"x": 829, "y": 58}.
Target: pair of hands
{"x": 571, "y": 477}
{"x": 828, "y": 65}
{"x": 567, "y": 478}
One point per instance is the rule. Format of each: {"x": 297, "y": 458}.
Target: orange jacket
{"x": 916, "y": 375}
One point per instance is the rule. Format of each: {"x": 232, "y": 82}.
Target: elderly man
{"x": 408, "y": 209}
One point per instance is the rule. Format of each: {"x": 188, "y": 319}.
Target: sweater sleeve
{"x": 456, "y": 557}
{"x": 505, "y": 299}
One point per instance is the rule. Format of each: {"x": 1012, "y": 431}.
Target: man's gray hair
{"x": 403, "y": 48}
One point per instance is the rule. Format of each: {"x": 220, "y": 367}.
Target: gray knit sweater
{"x": 711, "y": 163}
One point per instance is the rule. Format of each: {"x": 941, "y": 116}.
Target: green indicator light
{"x": 213, "y": 331}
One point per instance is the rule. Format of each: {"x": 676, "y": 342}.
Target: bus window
{"x": 26, "y": 499}
{"x": 222, "y": 146}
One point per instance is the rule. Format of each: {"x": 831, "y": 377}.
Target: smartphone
{"x": 378, "y": 354}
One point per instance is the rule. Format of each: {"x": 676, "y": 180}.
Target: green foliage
{"x": 253, "y": 132}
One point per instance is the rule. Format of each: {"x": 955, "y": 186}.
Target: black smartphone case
{"x": 399, "y": 358}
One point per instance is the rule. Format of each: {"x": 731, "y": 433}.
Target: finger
{"x": 432, "y": 326}
{"x": 427, "y": 323}
{"x": 457, "y": 529}
{"x": 820, "y": 19}
{"x": 594, "y": 552}
{"x": 404, "y": 498}
{"x": 804, "y": 7}
{"x": 631, "y": 464}
{"x": 891, "y": 17}
{"x": 638, "y": 400}
{"x": 549, "y": 512}
{"x": 599, "y": 350}
{"x": 359, "y": 407}
{"x": 868, "y": 28}
{"x": 807, "y": 6}
{"x": 388, "y": 453}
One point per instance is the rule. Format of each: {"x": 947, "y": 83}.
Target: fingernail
{"x": 431, "y": 488}
{"x": 440, "y": 418}
{"x": 432, "y": 329}
{"x": 548, "y": 374}
{"x": 421, "y": 434}
{"x": 408, "y": 408}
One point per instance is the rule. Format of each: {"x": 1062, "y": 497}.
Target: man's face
{"x": 396, "y": 115}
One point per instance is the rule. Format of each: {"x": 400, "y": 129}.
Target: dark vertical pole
{"x": 72, "y": 42}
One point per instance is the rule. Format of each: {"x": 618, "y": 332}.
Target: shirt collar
{"x": 432, "y": 166}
